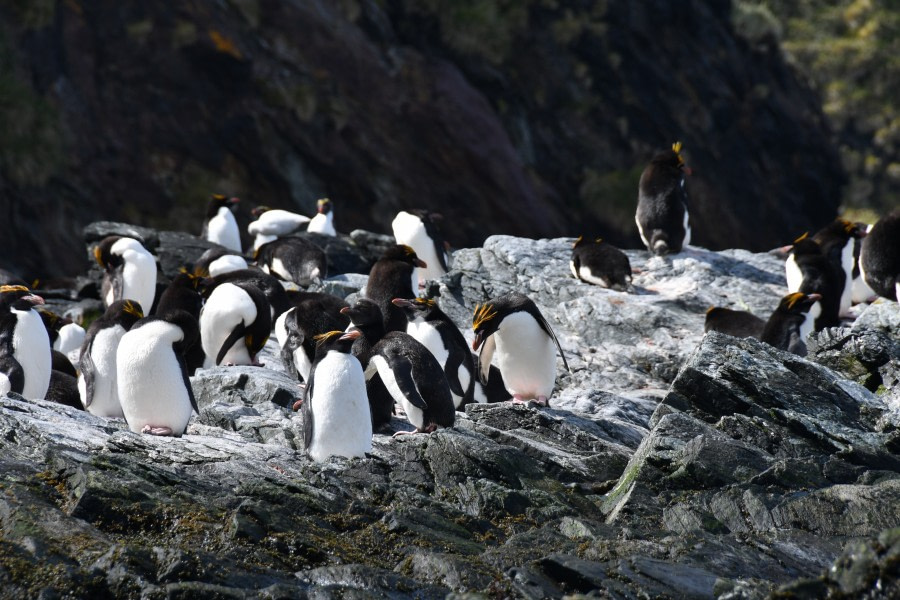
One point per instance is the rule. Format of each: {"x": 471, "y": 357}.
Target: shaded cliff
{"x": 528, "y": 118}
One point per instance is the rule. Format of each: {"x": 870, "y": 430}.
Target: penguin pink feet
{"x": 540, "y": 400}
{"x": 157, "y": 430}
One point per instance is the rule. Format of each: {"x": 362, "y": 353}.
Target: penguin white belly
{"x": 847, "y": 268}
{"x": 409, "y": 230}
{"x": 861, "y": 291}
{"x": 227, "y": 306}
{"x": 793, "y": 274}
{"x": 222, "y": 229}
{"x": 641, "y": 232}
{"x": 31, "y": 347}
{"x": 150, "y": 380}
{"x": 302, "y": 364}
{"x": 105, "y": 400}
{"x": 686, "y": 226}
{"x": 585, "y": 274}
{"x": 276, "y": 222}
{"x": 322, "y": 223}
{"x": 342, "y": 424}
{"x": 262, "y": 239}
{"x": 280, "y": 330}
{"x": 809, "y": 323}
{"x": 526, "y": 356}
{"x": 71, "y": 336}
{"x": 428, "y": 336}
{"x": 465, "y": 377}
{"x": 139, "y": 277}
{"x": 414, "y": 414}
{"x": 226, "y": 264}
{"x": 279, "y": 269}
{"x": 5, "y": 385}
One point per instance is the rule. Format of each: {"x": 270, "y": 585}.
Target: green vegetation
{"x": 849, "y": 50}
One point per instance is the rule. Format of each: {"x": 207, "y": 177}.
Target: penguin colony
{"x": 356, "y": 364}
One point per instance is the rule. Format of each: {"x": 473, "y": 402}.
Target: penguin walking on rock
{"x": 97, "y": 384}
{"x": 152, "y": 379}
{"x": 512, "y": 327}
{"x": 129, "y": 271}
{"x": 323, "y": 222}
{"x": 662, "y": 213}
{"x": 792, "y": 321}
{"x": 25, "y": 356}
{"x": 429, "y": 325}
{"x": 880, "y": 257}
{"x": 600, "y": 263}
{"x": 271, "y": 224}
{"x": 217, "y": 260}
{"x": 234, "y": 325}
{"x": 293, "y": 259}
{"x": 394, "y": 275}
{"x": 336, "y": 419}
{"x": 809, "y": 271}
{"x": 419, "y": 230}
{"x": 736, "y": 323}
{"x": 220, "y": 226}
{"x": 410, "y": 373}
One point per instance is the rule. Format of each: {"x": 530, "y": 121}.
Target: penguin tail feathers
{"x": 660, "y": 247}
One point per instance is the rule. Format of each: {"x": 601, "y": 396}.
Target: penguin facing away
{"x": 837, "y": 241}
{"x": 152, "y": 378}
{"x": 234, "y": 325}
{"x": 129, "y": 270}
{"x": 394, "y": 276}
{"x": 860, "y": 290}
{"x": 336, "y": 419}
{"x": 792, "y": 321}
{"x": 736, "y": 323}
{"x": 818, "y": 275}
{"x": 220, "y": 226}
{"x": 512, "y": 327}
{"x": 662, "y": 214}
{"x": 25, "y": 357}
{"x": 419, "y": 230}
{"x": 269, "y": 285}
{"x": 293, "y": 259}
{"x": 880, "y": 257}
{"x": 601, "y": 264}
{"x": 271, "y": 224}
{"x": 97, "y": 385}
{"x": 323, "y": 222}
{"x": 436, "y": 331}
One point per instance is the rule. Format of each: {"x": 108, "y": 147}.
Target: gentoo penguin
{"x": 860, "y": 290}
{"x": 436, "y": 331}
{"x": 419, "y": 230}
{"x": 271, "y": 224}
{"x": 600, "y": 263}
{"x": 790, "y": 323}
{"x": 394, "y": 276}
{"x": 217, "y": 260}
{"x": 152, "y": 379}
{"x": 267, "y": 284}
{"x": 129, "y": 270}
{"x": 409, "y": 372}
{"x": 234, "y": 325}
{"x": 880, "y": 257}
{"x": 323, "y": 222}
{"x": 837, "y": 241}
{"x": 336, "y": 419}
{"x": 817, "y": 274}
{"x": 736, "y": 323}
{"x": 25, "y": 360}
{"x": 313, "y": 314}
{"x": 293, "y": 259}
{"x": 524, "y": 343}
{"x": 97, "y": 384}
{"x": 220, "y": 225}
{"x": 662, "y": 214}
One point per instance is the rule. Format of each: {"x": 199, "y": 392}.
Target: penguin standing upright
{"x": 880, "y": 257}
{"x": 152, "y": 379}
{"x": 662, "y": 214}
{"x": 436, "y": 331}
{"x": 129, "y": 271}
{"x": 293, "y": 259}
{"x": 817, "y": 274}
{"x": 66, "y": 336}
{"x": 220, "y": 226}
{"x": 97, "y": 385}
{"x": 271, "y": 224}
{"x": 791, "y": 322}
{"x": 736, "y": 323}
{"x": 525, "y": 345}
{"x": 600, "y": 263}
{"x": 394, "y": 276}
{"x": 336, "y": 419}
{"x": 217, "y": 260}
{"x": 419, "y": 230}
{"x": 323, "y": 222}
{"x": 314, "y": 313}
{"x": 183, "y": 294}
{"x": 860, "y": 290}
{"x": 234, "y": 325}
{"x": 25, "y": 358}
{"x": 836, "y": 241}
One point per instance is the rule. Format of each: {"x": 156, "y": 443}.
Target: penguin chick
{"x": 323, "y": 222}
{"x": 524, "y": 343}
{"x": 97, "y": 386}
{"x": 817, "y": 275}
{"x": 217, "y": 260}
{"x": 792, "y": 321}
{"x": 293, "y": 259}
{"x": 436, "y": 331}
{"x": 662, "y": 214}
{"x": 419, "y": 230}
{"x": 234, "y": 324}
{"x": 336, "y": 419}
{"x": 271, "y": 224}
{"x": 220, "y": 226}
{"x": 25, "y": 358}
{"x": 601, "y": 264}
{"x": 736, "y": 323}
{"x": 129, "y": 271}
{"x": 152, "y": 378}
{"x": 394, "y": 276}
{"x": 880, "y": 257}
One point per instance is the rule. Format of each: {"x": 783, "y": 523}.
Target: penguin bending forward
{"x": 662, "y": 214}
{"x": 736, "y": 323}
{"x": 336, "y": 419}
{"x": 234, "y": 324}
{"x": 293, "y": 259}
{"x": 514, "y": 328}
{"x": 792, "y": 321}
{"x": 220, "y": 226}
{"x": 129, "y": 271}
{"x": 271, "y": 224}
{"x": 600, "y": 263}
{"x": 419, "y": 230}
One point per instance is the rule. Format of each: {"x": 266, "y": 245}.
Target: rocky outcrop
{"x": 526, "y": 118}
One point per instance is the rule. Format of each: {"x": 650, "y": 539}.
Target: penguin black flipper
{"x": 237, "y": 333}
{"x": 546, "y": 327}
{"x": 13, "y": 371}
{"x": 187, "y": 382}
{"x": 484, "y": 359}
{"x": 306, "y": 407}
{"x": 87, "y": 371}
{"x": 402, "y": 368}
{"x": 454, "y": 362}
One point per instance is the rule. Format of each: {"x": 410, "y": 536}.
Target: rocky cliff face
{"x": 527, "y": 118}
{"x": 670, "y": 464}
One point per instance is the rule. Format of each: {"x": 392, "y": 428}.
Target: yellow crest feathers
{"x": 794, "y": 298}
{"x": 483, "y": 314}
{"x": 326, "y": 336}
{"x": 12, "y": 288}
{"x": 676, "y": 147}
{"x": 801, "y": 238}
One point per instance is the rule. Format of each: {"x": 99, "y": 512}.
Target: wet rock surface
{"x": 669, "y": 464}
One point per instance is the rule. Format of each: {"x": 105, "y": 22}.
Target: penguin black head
{"x": 805, "y": 246}
{"x": 217, "y": 201}
{"x": 187, "y": 323}
{"x": 414, "y": 307}
{"x": 125, "y": 312}
{"x": 581, "y": 241}
{"x": 339, "y": 341}
{"x": 323, "y": 206}
{"x": 364, "y": 313}
{"x": 18, "y": 297}
{"x": 103, "y": 252}
{"x": 405, "y": 254}
{"x": 798, "y": 303}
{"x": 671, "y": 160}
{"x": 256, "y": 211}
{"x": 52, "y": 323}
{"x": 484, "y": 323}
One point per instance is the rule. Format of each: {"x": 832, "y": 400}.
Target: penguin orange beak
{"x": 420, "y": 263}
{"x": 34, "y": 299}
{"x": 345, "y": 310}
{"x": 234, "y": 200}
{"x": 814, "y": 297}
{"x": 351, "y": 335}
{"x": 402, "y": 302}
{"x": 479, "y": 337}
